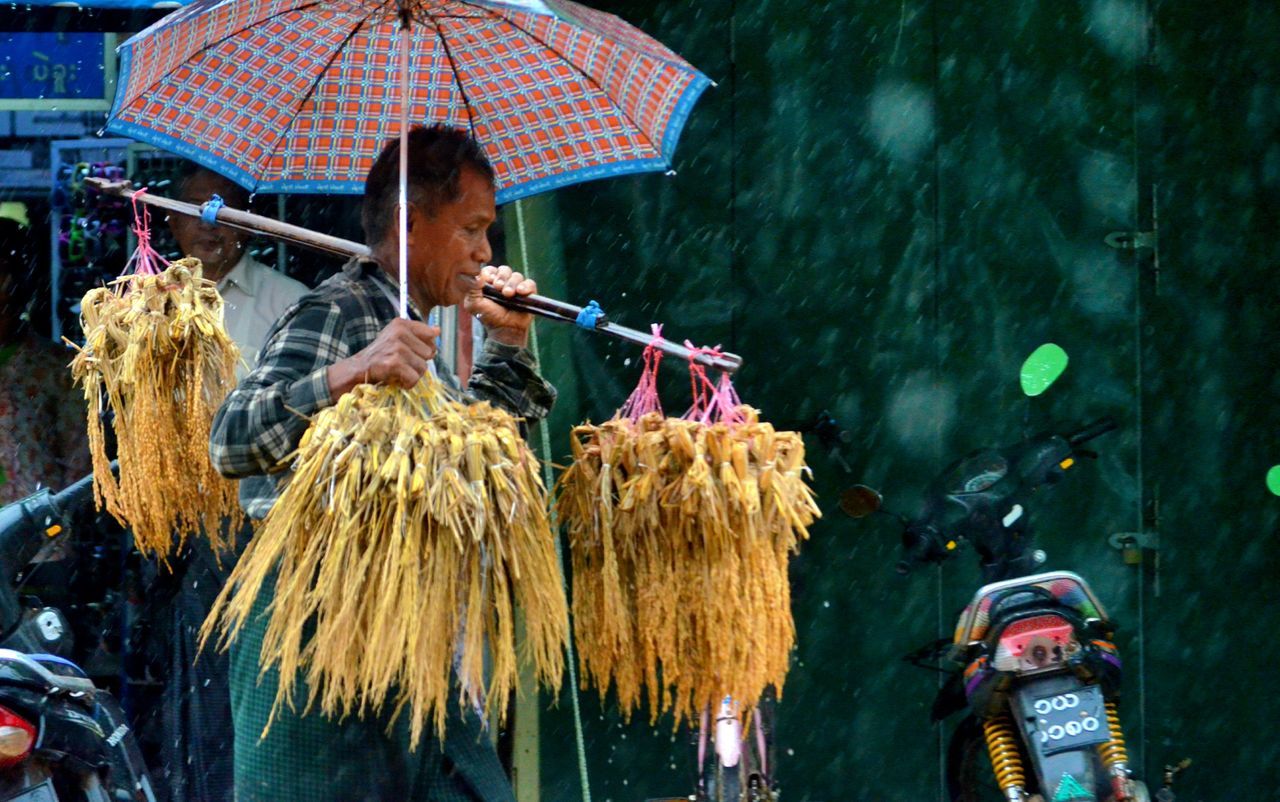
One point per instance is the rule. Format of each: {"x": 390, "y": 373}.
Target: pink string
{"x": 700, "y": 386}
{"x": 725, "y": 404}
{"x": 644, "y": 399}
{"x": 145, "y": 261}
{"x": 712, "y": 402}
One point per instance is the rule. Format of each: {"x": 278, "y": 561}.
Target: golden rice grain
{"x": 680, "y": 536}
{"x": 157, "y": 352}
{"x": 410, "y": 529}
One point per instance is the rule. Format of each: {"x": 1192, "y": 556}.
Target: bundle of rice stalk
{"x": 681, "y": 531}
{"x": 157, "y": 354}
{"x": 607, "y": 525}
{"x": 410, "y": 529}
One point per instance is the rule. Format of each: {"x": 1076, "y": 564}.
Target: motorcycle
{"x": 1038, "y": 670}
{"x": 1033, "y": 658}
{"x": 62, "y": 738}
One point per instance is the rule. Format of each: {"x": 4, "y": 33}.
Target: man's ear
{"x": 412, "y": 221}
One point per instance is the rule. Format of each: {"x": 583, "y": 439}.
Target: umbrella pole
{"x": 403, "y": 209}
{"x": 539, "y": 305}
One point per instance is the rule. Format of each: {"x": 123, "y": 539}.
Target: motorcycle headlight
{"x": 1036, "y": 644}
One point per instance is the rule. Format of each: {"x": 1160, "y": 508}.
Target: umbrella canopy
{"x": 301, "y": 95}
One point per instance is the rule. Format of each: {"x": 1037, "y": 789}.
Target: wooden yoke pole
{"x": 539, "y": 305}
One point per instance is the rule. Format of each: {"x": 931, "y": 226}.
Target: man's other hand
{"x": 504, "y": 325}
{"x": 399, "y": 356}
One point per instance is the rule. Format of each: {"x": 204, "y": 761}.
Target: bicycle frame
{"x": 741, "y": 769}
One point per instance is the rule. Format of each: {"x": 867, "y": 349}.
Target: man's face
{"x": 217, "y": 247}
{"x": 447, "y": 249}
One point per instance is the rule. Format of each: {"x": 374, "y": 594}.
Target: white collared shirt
{"x": 254, "y": 298}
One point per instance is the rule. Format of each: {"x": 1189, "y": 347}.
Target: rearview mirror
{"x": 1042, "y": 368}
{"x": 860, "y": 501}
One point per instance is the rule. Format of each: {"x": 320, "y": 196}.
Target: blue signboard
{"x": 52, "y": 67}
{"x": 161, "y": 5}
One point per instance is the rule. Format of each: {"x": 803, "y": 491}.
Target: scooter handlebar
{"x": 68, "y": 500}
{"x": 25, "y": 526}
{"x": 1089, "y": 431}
{"x": 920, "y": 545}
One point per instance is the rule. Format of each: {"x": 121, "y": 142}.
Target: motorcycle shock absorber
{"x": 1006, "y": 760}
{"x": 1115, "y": 757}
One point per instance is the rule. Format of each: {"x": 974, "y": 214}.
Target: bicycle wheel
{"x": 728, "y": 783}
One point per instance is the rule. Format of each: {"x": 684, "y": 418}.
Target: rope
{"x": 544, "y": 434}
{"x": 701, "y": 387}
{"x": 644, "y": 399}
{"x": 144, "y": 260}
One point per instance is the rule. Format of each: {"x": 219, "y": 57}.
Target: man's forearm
{"x": 258, "y": 427}
{"x": 343, "y": 376}
{"x": 260, "y": 423}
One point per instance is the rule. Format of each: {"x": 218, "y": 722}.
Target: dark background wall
{"x": 885, "y": 207}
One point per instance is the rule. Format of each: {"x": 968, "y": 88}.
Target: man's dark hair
{"x": 234, "y": 195}
{"x": 436, "y": 158}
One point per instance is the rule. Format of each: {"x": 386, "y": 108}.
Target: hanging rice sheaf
{"x": 681, "y": 531}
{"x": 410, "y": 529}
{"x": 157, "y": 353}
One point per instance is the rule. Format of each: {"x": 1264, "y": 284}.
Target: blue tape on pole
{"x": 590, "y": 315}
{"x": 209, "y": 210}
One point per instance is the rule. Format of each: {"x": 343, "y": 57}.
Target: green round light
{"x": 1043, "y": 368}
{"x": 1273, "y": 479}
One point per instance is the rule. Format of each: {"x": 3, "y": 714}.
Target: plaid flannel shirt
{"x": 261, "y": 422}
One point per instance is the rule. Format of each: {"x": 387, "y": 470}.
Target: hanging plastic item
{"x": 158, "y": 356}
{"x": 411, "y": 527}
{"x": 681, "y": 532}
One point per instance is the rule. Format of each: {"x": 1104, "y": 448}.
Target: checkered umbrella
{"x": 301, "y": 95}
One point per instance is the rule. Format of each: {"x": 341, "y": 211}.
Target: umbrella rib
{"x": 284, "y": 134}
{"x": 457, "y": 76}
{"x": 209, "y": 45}
{"x": 622, "y": 112}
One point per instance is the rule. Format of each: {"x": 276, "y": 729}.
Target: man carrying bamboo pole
{"x": 341, "y": 334}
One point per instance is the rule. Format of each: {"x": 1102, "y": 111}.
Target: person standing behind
{"x": 196, "y": 714}
{"x": 43, "y": 437}
{"x": 254, "y": 295}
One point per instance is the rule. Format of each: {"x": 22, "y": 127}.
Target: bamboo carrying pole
{"x": 534, "y": 304}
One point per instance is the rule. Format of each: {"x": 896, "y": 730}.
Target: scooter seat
{"x": 49, "y": 670}
{"x": 60, "y": 666}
